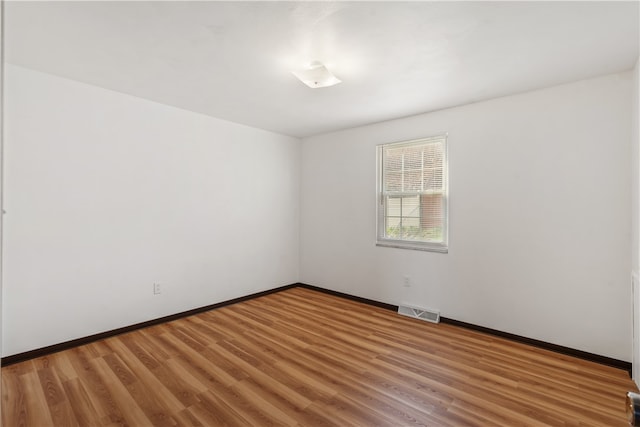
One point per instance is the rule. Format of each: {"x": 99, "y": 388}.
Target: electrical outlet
{"x": 156, "y": 288}
{"x": 407, "y": 281}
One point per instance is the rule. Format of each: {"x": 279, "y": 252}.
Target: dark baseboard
{"x": 350, "y": 297}
{"x": 603, "y": 360}
{"x": 21, "y": 357}
{"x": 39, "y": 352}
{"x": 568, "y": 351}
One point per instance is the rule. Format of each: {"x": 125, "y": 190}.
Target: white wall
{"x": 107, "y": 193}
{"x": 539, "y": 216}
{"x": 1, "y": 163}
{"x": 635, "y": 169}
{"x": 635, "y": 218}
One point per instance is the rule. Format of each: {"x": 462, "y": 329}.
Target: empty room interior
{"x": 320, "y": 213}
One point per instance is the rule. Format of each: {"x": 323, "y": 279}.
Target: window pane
{"x": 413, "y": 158}
{"x": 432, "y": 216}
{"x": 393, "y": 181}
{"x": 393, "y": 160}
{"x": 394, "y": 206}
{"x": 411, "y": 232}
{"x": 413, "y": 182}
{"x": 432, "y": 179}
{"x": 392, "y": 227}
{"x": 411, "y": 207}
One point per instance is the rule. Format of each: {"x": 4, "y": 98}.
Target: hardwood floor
{"x": 304, "y": 358}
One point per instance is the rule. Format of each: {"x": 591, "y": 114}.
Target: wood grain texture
{"x": 304, "y": 358}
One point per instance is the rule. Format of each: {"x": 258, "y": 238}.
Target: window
{"x": 412, "y": 193}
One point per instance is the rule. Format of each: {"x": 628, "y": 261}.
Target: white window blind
{"x": 412, "y": 190}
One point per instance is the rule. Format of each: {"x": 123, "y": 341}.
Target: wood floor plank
{"x": 187, "y": 419}
{"x": 212, "y": 410}
{"x": 130, "y": 370}
{"x": 96, "y": 392}
{"x": 130, "y": 410}
{"x": 256, "y": 375}
{"x": 37, "y": 411}
{"x": 59, "y": 407}
{"x": 303, "y": 358}
{"x": 14, "y": 404}
{"x": 80, "y": 403}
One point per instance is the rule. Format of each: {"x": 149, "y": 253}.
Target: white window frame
{"x": 425, "y": 245}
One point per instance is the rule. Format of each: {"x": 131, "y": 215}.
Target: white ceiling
{"x": 232, "y": 60}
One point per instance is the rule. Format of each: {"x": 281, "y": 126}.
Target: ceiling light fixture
{"x": 316, "y": 75}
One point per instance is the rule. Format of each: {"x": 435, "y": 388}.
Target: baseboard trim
{"x": 44, "y": 351}
{"x": 568, "y": 351}
{"x": 350, "y": 297}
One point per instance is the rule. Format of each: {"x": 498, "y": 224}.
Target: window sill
{"x": 413, "y": 246}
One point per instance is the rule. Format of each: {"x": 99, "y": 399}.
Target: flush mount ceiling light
{"x": 316, "y": 75}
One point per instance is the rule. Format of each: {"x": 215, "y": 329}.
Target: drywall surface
{"x": 107, "y": 194}
{"x": 539, "y": 216}
{"x": 1, "y": 158}
{"x": 635, "y": 218}
{"x": 635, "y": 168}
